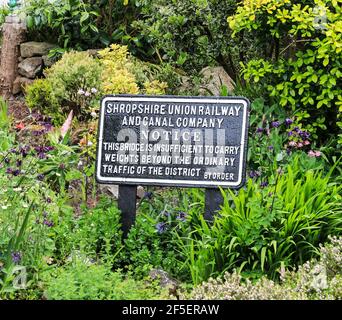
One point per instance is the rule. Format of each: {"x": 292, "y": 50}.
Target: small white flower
{"x": 94, "y": 114}
{"x": 90, "y": 143}
{"x": 87, "y": 94}
{"x": 4, "y": 207}
{"x": 80, "y": 92}
{"x": 93, "y": 90}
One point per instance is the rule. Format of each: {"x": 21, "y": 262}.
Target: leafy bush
{"x": 72, "y": 23}
{"x": 71, "y": 84}
{"x": 83, "y": 25}
{"x": 314, "y": 280}
{"x": 263, "y": 228}
{"x": 119, "y": 73}
{"x": 4, "y": 11}
{"x": 77, "y": 81}
{"x": 79, "y": 281}
{"x": 193, "y": 33}
{"x": 98, "y": 233}
{"x": 302, "y": 66}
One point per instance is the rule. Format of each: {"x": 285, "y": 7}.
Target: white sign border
{"x": 171, "y": 182}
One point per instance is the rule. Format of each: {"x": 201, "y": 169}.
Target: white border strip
{"x": 168, "y": 181}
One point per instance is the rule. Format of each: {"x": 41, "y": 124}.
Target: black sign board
{"x": 173, "y": 141}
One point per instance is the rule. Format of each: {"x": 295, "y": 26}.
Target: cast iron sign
{"x": 172, "y": 141}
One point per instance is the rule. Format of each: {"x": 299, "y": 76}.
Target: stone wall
{"x": 32, "y": 60}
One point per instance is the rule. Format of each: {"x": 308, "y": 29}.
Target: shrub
{"x": 314, "y": 280}
{"x": 119, "y": 73}
{"x": 79, "y": 281}
{"x": 39, "y": 95}
{"x": 70, "y": 23}
{"x": 193, "y": 34}
{"x": 263, "y": 228}
{"x": 83, "y": 25}
{"x": 302, "y": 65}
{"x": 71, "y": 84}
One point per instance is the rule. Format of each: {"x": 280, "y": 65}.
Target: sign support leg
{"x": 213, "y": 201}
{"x": 127, "y": 205}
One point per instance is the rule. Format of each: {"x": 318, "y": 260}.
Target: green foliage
{"x": 79, "y": 281}
{"x": 302, "y": 68}
{"x": 192, "y": 34}
{"x": 61, "y": 166}
{"x": 83, "y": 25}
{"x": 6, "y": 138}
{"x": 71, "y": 84}
{"x": 262, "y": 229}
{"x": 40, "y": 95}
{"x": 315, "y": 280}
{"x": 28, "y": 211}
{"x": 4, "y": 12}
{"x": 98, "y": 231}
{"x": 119, "y": 73}
{"x": 73, "y": 21}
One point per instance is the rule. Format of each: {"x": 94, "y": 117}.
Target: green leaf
{"x": 84, "y": 17}
{"x": 263, "y": 256}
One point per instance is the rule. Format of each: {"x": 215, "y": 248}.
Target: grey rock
{"x": 48, "y": 62}
{"x": 213, "y": 78}
{"x": 165, "y": 281}
{"x": 30, "y": 67}
{"x": 32, "y": 49}
{"x": 20, "y": 83}
{"x": 140, "y": 192}
{"x": 110, "y": 189}
{"x": 186, "y": 84}
{"x": 94, "y": 52}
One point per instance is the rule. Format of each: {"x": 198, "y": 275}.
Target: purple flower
{"x": 48, "y": 223}
{"x": 38, "y": 133}
{"x": 9, "y": 171}
{"x": 7, "y": 160}
{"x": 263, "y": 184}
{"x": 166, "y": 214}
{"x": 254, "y": 174}
{"x": 181, "y": 216}
{"x": 16, "y": 172}
{"x": 40, "y": 177}
{"x": 16, "y": 257}
{"x": 290, "y": 133}
{"x": 288, "y": 121}
{"x": 41, "y": 155}
{"x": 19, "y": 163}
{"x": 270, "y": 148}
{"x": 260, "y": 130}
{"x": 161, "y": 227}
{"x": 48, "y": 200}
{"x": 275, "y": 124}
{"x": 148, "y": 195}
{"x": 304, "y": 135}
{"x": 24, "y": 151}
